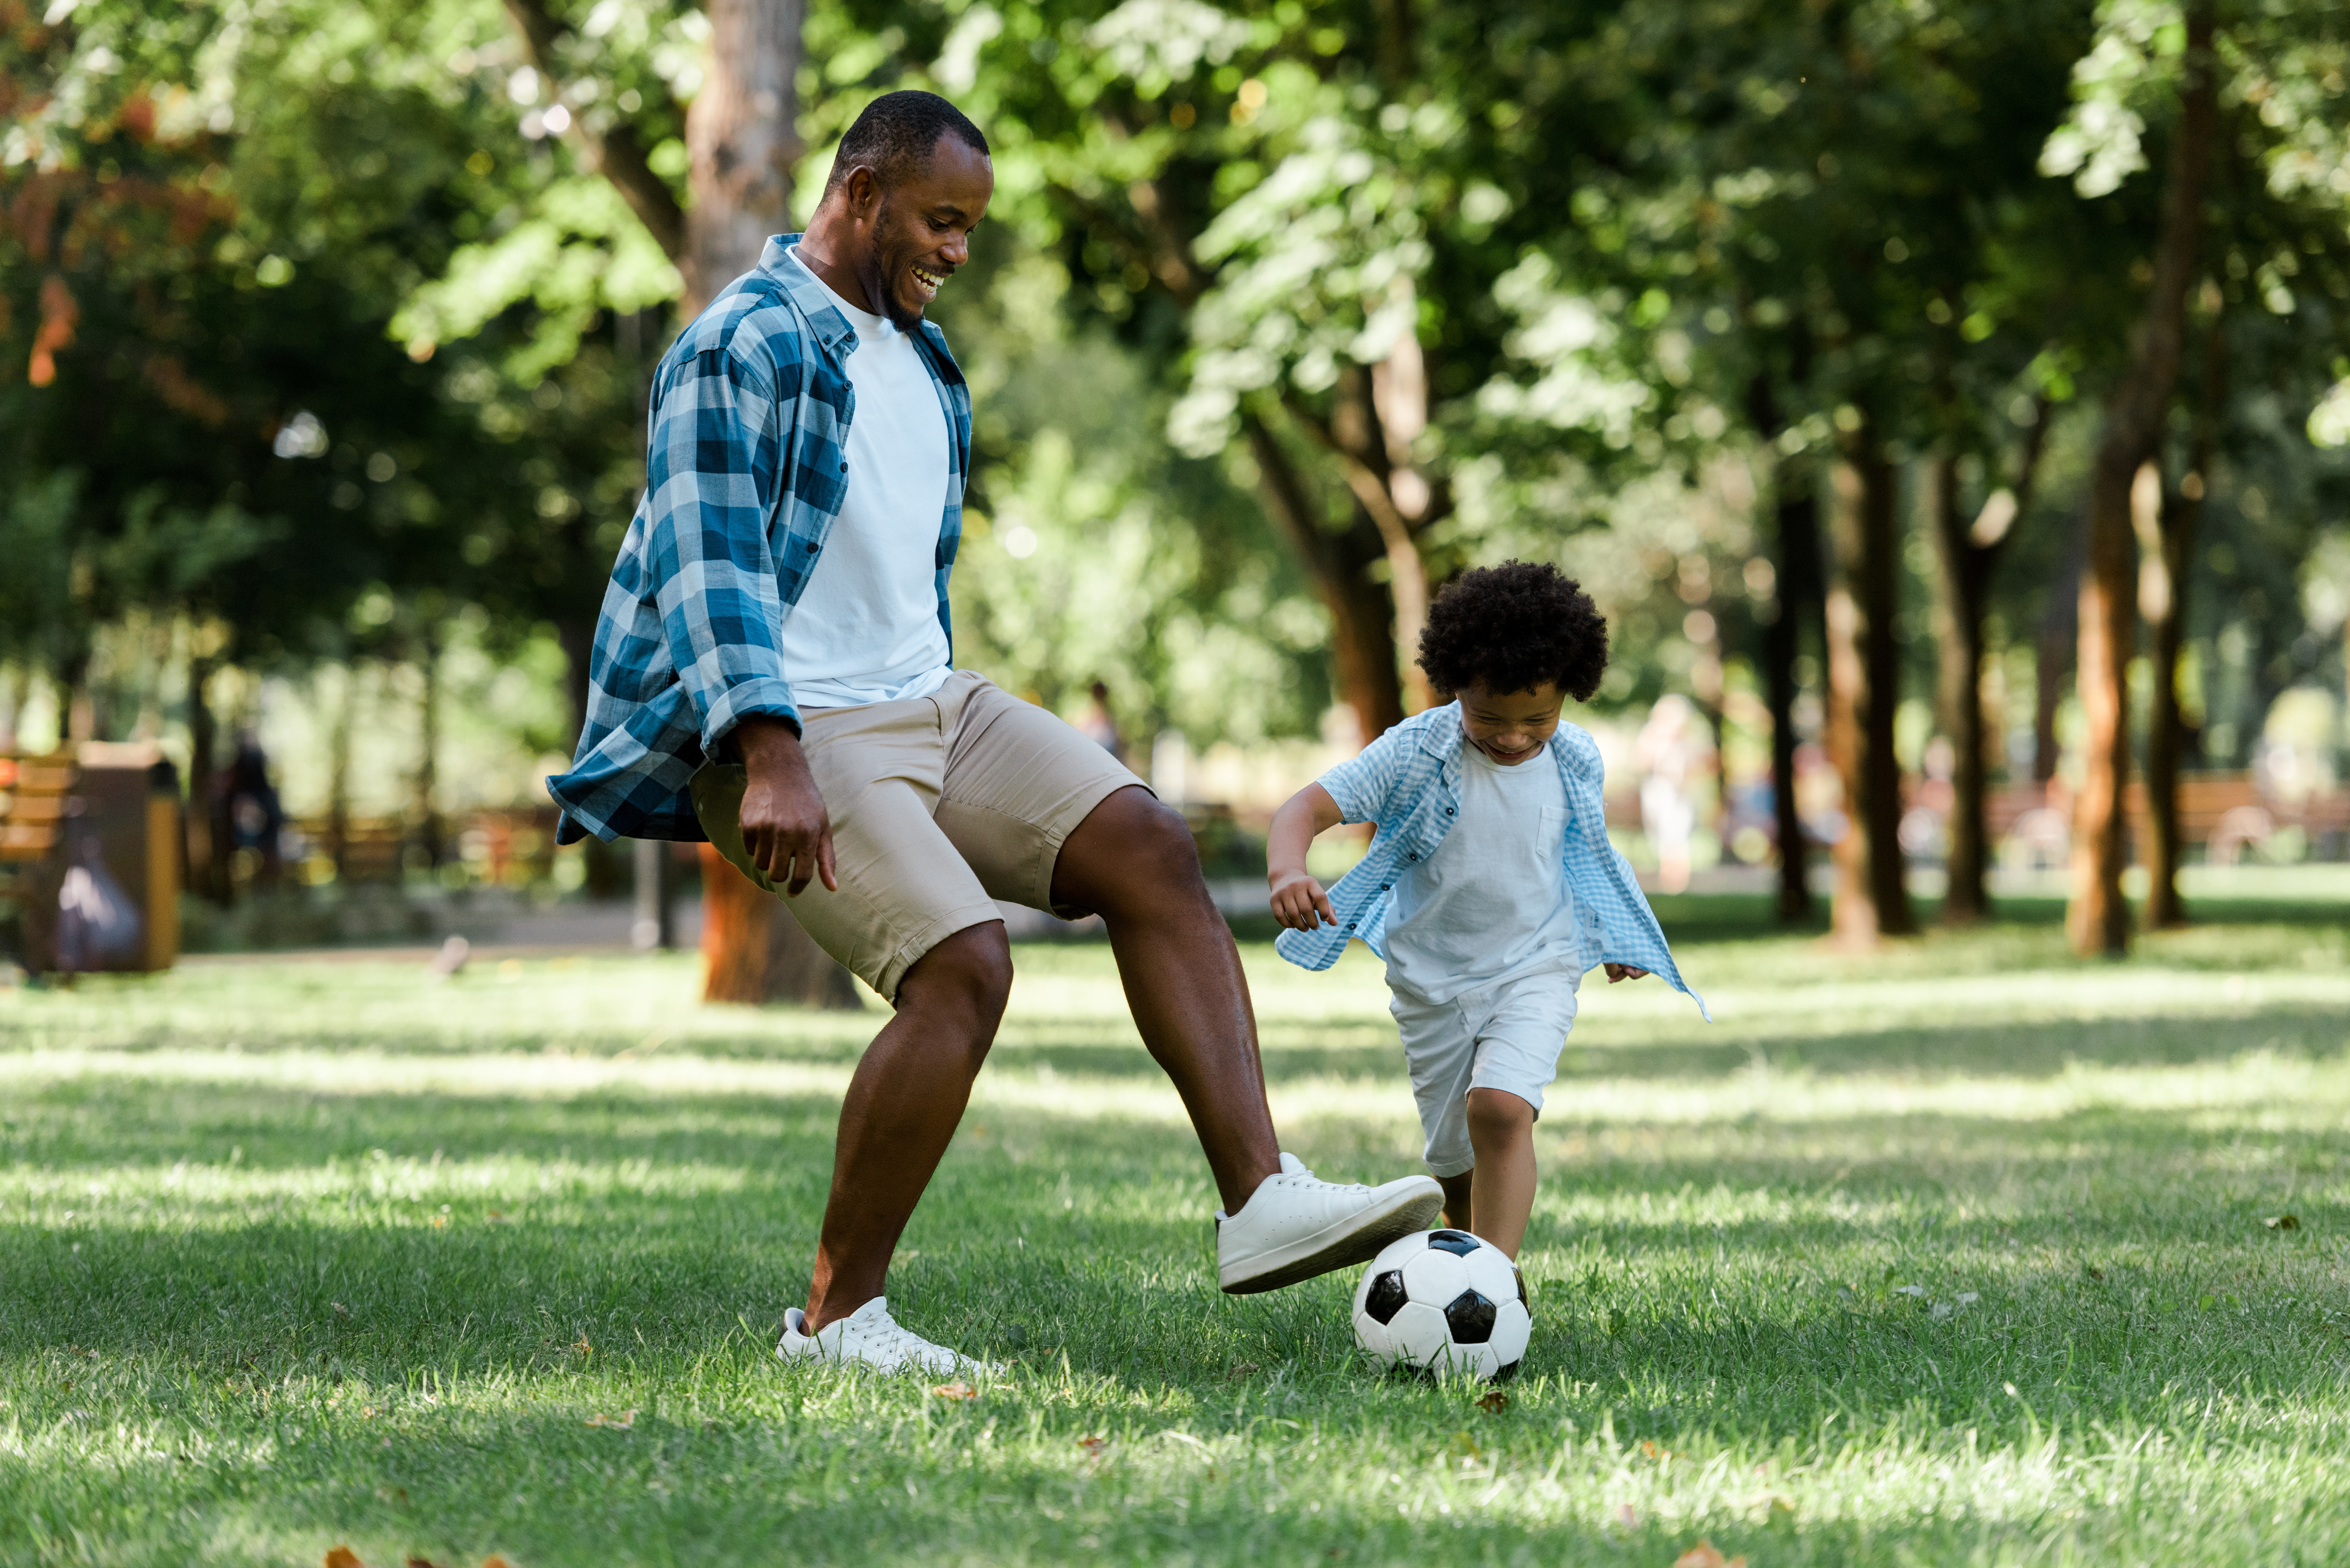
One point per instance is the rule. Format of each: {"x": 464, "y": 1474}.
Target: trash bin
{"x": 91, "y": 842}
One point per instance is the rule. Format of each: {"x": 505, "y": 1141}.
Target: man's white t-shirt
{"x": 866, "y": 628}
{"x": 1492, "y": 903}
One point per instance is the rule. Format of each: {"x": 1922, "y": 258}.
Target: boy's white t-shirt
{"x": 1492, "y": 903}
{"x": 866, "y": 628}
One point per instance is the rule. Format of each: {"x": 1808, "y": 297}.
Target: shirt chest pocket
{"x": 1549, "y": 846}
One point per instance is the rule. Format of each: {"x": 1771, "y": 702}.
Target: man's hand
{"x": 1617, "y": 972}
{"x": 785, "y": 830}
{"x": 1298, "y": 901}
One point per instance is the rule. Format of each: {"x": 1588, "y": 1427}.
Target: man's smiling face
{"x": 920, "y": 232}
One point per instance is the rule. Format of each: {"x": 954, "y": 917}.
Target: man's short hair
{"x": 895, "y": 136}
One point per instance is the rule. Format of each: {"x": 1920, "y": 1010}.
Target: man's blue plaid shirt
{"x": 1408, "y": 782}
{"x": 745, "y": 468}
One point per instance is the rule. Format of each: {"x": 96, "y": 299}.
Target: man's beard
{"x": 875, "y": 279}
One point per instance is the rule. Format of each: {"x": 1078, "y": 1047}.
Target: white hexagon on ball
{"x": 1435, "y": 1276}
{"x": 1421, "y": 1335}
{"x": 1492, "y": 1275}
{"x": 1511, "y": 1329}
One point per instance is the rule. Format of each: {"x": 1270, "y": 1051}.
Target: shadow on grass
{"x": 648, "y": 1229}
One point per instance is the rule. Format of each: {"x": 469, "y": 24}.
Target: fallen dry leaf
{"x": 958, "y": 1389}
{"x": 1704, "y": 1555}
{"x": 1494, "y": 1402}
{"x": 1093, "y": 1444}
{"x": 2283, "y": 1222}
{"x": 495, "y": 1561}
{"x": 623, "y": 1421}
{"x": 422, "y": 1562}
{"x": 343, "y": 1557}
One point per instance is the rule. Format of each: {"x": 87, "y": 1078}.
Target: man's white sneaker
{"x": 1295, "y": 1226}
{"x": 869, "y": 1337}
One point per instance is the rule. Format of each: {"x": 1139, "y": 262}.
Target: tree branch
{"x": 614, "y": 152}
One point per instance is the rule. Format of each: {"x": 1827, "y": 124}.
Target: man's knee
{"x": 967, "y": 978}
{"x": 1497, "y": 1114}
{"x": 1149, "y": 848}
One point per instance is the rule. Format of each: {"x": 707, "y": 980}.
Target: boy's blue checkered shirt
{"x": 745, "y": 468}
{"x": 1408, "y": 782}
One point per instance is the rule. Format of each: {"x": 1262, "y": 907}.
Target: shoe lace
{"x": 901, "y": 1342}
{"x": 1308, "y": 1179}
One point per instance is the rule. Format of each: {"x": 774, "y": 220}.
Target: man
{"x": 773, "y": 671}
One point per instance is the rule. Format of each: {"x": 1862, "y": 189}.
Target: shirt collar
{"x": 1440, "y": 738}
{"x": 814, "y": 302}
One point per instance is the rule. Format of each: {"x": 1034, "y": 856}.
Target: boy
{"x": 1490, "y": 886}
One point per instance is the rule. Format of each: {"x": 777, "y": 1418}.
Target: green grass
{"x": 301, "y": 1252}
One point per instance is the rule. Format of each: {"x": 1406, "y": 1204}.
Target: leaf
{"x": 2283, "y": 1222}
{"x": 622, "y": 1422}
{"x": 422, "y": 1562}
{"x": 1093, "y": 1444}
{"x": 343, "y": 1557}
{"x": 1494, "y": 1402}
{"x": 1705, "y": 1555}
{"x": 958, "y": 1389}
{"x": 495, "y": 1561}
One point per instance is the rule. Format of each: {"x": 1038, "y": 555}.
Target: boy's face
{"x": 1510, "y": 726}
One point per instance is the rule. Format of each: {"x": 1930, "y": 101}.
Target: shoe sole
{"x": 1356, "y": 1240}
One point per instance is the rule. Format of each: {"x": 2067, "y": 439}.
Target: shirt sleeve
{"x": 711, "y": 473}
{"x": 1363, "y": 786}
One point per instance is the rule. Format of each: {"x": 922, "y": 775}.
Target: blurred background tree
{"x": 1815, "y": 337}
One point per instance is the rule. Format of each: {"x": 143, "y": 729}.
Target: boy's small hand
{"x": 1617, "y": 972}
{"x": 1298, "y": 901}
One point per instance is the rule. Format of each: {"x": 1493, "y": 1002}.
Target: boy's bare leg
{"x": 1132, "y": 862}
{"x": 1458, "y": 1190}
{"x": 1502, "y": 1132}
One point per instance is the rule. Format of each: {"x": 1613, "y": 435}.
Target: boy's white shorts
{"x": 1507, "y": 1036}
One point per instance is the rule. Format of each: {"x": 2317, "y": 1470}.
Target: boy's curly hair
{"x": 1512, "y": 627}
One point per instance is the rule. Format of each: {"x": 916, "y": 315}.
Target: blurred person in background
{"x": 1671, "y": 754}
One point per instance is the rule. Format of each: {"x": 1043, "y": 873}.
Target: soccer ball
{"x": 1443, "y": 1300}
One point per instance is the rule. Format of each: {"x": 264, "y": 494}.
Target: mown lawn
{"x": 1962, "y": 1255}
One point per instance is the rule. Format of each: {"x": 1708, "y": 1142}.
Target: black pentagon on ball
{"x": 1387, "y": 1297}
{"x": 1458, "y": 1242}
{"x": 1471, "y": 1317}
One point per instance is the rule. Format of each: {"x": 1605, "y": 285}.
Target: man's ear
{"x": 862, "y": 192}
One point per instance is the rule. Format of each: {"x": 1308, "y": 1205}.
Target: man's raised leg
{"x": 1132, "y": 861}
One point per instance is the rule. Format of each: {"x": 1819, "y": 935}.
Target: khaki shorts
{"x": 939, "y": 805}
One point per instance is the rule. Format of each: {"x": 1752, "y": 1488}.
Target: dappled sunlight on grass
{"x": 1937, "y": 1259}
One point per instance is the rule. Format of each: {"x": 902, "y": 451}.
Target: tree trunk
{"x": 2060, "y": 640}
{"x": 208, "y": 840}
{"x": 2162, "y": 599}
{"x": 426, "y": 789}
{"x": 1967, "y": 551}
{"x": 1872, "y": 899}
{"x": 338, "y": 775}
{"x": 1362, "y": 616}
{"x": 1794, "y": 602}
{"x": 760, "y": 953}
{"x": 2097, "y": 919}
{"x": 743, "y": 140}
{"x": 1959, "y": 584}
